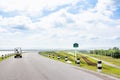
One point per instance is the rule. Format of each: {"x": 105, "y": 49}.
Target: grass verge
{"x": 106, "y": 58}
{"x": 85, "y": 62}
{"x": 1, "y": 59}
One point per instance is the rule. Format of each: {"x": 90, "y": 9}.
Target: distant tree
{"x": 115, "y": 48}
{"x": 112, "y": 52}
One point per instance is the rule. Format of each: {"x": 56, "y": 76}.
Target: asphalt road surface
{"x": 35, "y": 67}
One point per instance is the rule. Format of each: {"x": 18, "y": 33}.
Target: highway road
{"x": 36, "y": 67}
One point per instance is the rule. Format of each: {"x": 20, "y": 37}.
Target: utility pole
{"x": 75, "y": 45}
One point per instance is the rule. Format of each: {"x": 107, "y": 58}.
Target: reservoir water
{"x": 6, "y": 52}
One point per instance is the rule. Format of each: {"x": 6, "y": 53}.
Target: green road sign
{"x": 75, "y": 45}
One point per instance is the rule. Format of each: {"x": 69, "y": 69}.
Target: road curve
{"x": 35, "y": 67}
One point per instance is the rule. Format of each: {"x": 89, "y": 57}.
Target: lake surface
{"x": 6, "y": 52}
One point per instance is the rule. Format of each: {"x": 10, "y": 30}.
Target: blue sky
{"x": 54, "y": 24}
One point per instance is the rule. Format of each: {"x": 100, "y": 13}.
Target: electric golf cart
{"x": 18, "y": 53}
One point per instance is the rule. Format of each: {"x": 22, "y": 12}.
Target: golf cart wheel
{"x": 14, "y": 56}
{"x": 20, "y": 56}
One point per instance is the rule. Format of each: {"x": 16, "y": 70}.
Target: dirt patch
{"x": 88, "y": 61}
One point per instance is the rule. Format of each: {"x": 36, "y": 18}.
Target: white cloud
{"x": 105, "y": 7}
{"x": 32, "y": 7}
{"x": 2, "y": 30}
{"x": 59, "y": 29}
{"x": 17, "y": 20}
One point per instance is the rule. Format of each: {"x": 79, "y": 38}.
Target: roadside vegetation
{"x": 3, "y": 57}
{"x": 112, "y": 52}
{"x": 85, "y": 61}
{"x": 106, "y": 58}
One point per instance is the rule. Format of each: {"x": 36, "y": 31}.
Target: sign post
{"x": 58, "y": 57}
{"x": 2, "y": 56}
{"x": 99, "y": 65}
{"x": 53, "y": 56}
{"x": 78, "y": 61}
{"x": 75, "y": 45}
{"x": 48, "y": 55}
{"x": 66, "y": 58}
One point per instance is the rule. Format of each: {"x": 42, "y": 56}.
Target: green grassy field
{"x": 85, "y": 62}
{"x": 1, "y": 59}
{"x": 106, "y": 69}
{"x": 106, "y": 58}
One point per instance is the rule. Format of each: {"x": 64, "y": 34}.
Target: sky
{"x": 57, "y": 24}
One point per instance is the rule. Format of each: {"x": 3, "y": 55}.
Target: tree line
{"x": 112, "y": 52}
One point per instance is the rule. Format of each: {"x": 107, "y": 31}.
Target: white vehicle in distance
{"x": 18, "y": 53}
